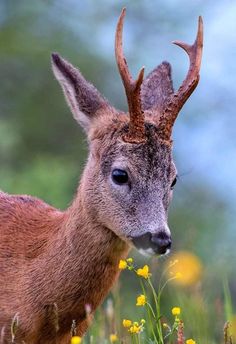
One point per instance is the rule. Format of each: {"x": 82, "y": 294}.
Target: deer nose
{"x": 162, "y": 241}
{"x": 158, "y": 243}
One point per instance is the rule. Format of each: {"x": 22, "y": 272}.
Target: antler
{"x": 136, "y": 133}
{"x": 177, "y": 100}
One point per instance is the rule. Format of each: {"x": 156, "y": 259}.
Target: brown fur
{"x": 53, "y": 263}
{"x": 53, "y": 257}
{"x": 71, "y": 258}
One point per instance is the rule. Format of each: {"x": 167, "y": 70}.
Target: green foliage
{"x": 170, "y": 310}
{"x": 42, "y": 150}
{"x": 49, "y": 178}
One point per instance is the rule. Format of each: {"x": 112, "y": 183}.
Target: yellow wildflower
{"x": 178, "y": 275}
{"x": 135, "y": 329}
{"x": 190, "y": 341}
{"x": 76, "y": 340}
{"x": 144, "y": 272}
{"x": 187, "y": 270}
{"x": 113, "y": 338}
{"x": 141, "y": 300}
{"x": 176, "y": 311}
{"x": 127, "y": 323}
{"x": 122, "y": 264}
{"x": 129, "y": 260}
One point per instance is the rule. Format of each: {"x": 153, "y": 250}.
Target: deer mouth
{"x": 150, "y": 244}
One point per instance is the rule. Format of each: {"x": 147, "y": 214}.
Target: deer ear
{"x": 82, "y": 97}
{"x": 157, "y": 88}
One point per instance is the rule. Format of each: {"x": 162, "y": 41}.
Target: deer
{"x": 54, "y": 263}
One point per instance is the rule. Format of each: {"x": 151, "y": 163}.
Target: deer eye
{"x": 173, "y": 183}
{"x": 119, "y": 176}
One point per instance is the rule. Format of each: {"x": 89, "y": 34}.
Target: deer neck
{"x": 88, "y": 238}
{"x": 86, "y": 256}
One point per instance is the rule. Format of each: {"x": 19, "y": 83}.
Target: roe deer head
{"x": 55, "y": 262}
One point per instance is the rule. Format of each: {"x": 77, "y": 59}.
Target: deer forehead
{"x": 149, "y": 160}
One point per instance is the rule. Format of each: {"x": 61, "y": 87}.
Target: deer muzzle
{"x": 153, "y": 243}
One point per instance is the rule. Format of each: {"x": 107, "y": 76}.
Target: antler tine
{"x": 178, "y": 99}
{"x": 120, "y": 59}
{"x": 136, "y": 132}
{"x": 195, "y": 56}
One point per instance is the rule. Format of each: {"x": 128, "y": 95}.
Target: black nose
{"x": 159, "y": 242}
{"x": 162, "y": 241}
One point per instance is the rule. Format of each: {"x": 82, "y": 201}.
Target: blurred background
{"x": 43, "y": 151}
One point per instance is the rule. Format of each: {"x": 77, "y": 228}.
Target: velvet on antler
{"x": 136, "y": 131}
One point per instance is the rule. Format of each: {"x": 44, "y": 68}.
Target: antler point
{"x": 142, "y": 70}
{"x": 123, "y": 12}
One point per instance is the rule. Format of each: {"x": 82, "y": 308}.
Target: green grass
{"x": 203, "y": 318}
{"x": 162, "y": 303}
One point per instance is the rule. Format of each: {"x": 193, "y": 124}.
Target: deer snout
{"x": 153, "y": 243}
{"x": 162, "y": 241}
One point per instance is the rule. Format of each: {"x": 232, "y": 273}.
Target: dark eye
{"x": 173, "y": 183}
{"x": 119, "y": 176}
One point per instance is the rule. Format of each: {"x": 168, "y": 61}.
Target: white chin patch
{"x": 150, "y": 252}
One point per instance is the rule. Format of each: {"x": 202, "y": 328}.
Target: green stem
{"x": 174, "y": 328}
{"x": 149, "y": 313}
{"x": 157, "y": 304}
{"x": 165, "y": 272}
{"x": 152, "y": 311}
{"x": 133, "y": 338}
{"x": 164, "y": 285}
